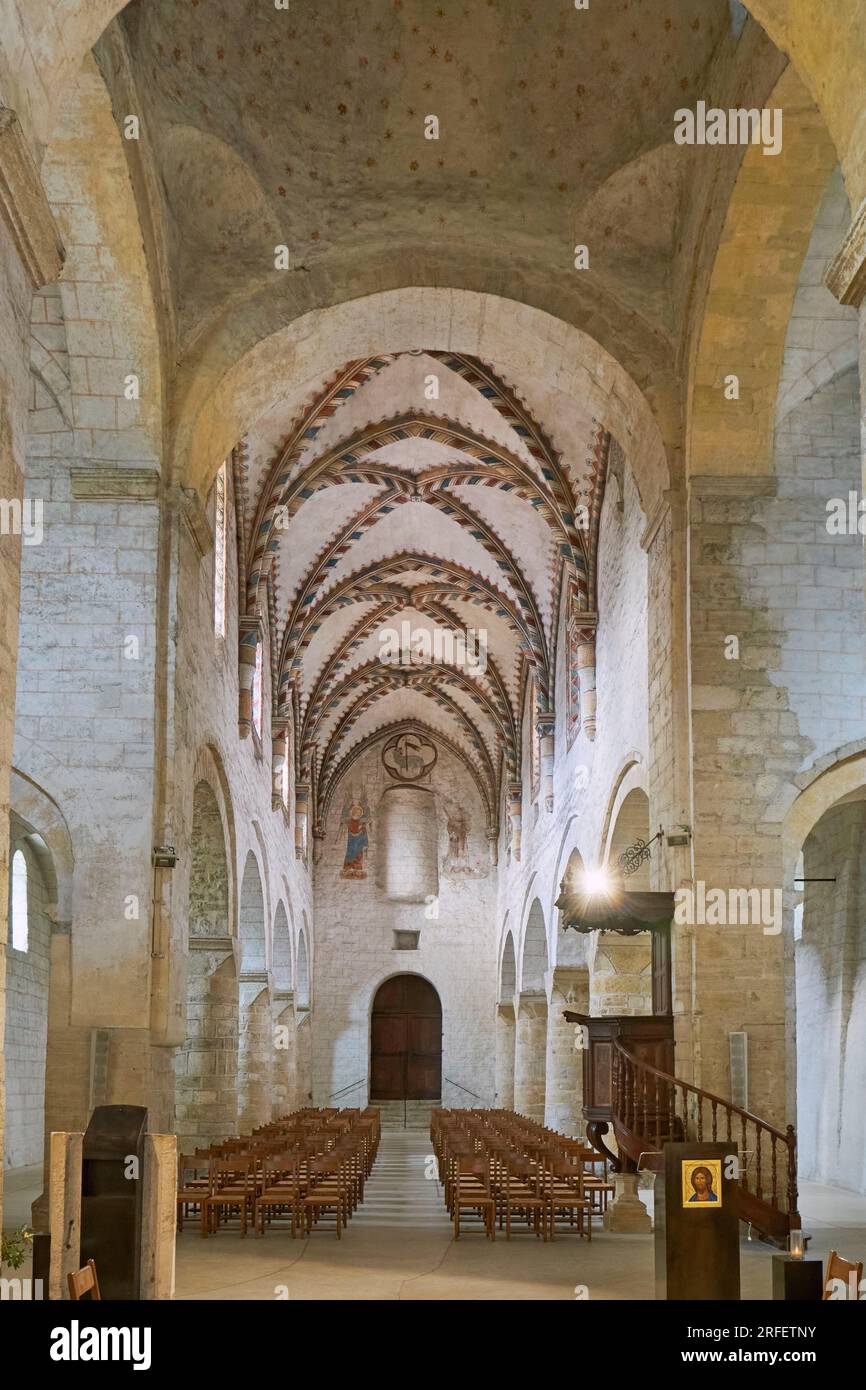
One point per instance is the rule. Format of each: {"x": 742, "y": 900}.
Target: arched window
{"x": 219, "y": 551}
{"x": 20, "y": 923}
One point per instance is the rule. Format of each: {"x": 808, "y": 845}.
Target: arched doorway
{"x": 406, "y": 1040}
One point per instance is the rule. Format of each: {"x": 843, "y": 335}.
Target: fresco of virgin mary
{"x": 356, "y": 819}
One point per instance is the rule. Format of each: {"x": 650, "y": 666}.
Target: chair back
{"x": 83, "y": 1281}
{"x": 839, "y": 1268}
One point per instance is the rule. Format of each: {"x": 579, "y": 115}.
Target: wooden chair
{"x": 471, "y": 1192}
{"x": 839, "y": 1268}
{"x": 84, "y": 1281}
{"x": 282, "y": 1189}
{"x": 193, "y": 1185}
{"x": 564, "y": 1192}
{"x": 328, "y": 1191}
{"x": 232, "y": 1185}
{"x": 520, "y": 1194}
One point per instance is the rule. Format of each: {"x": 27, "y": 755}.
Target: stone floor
{"x": 399, "y": 1245}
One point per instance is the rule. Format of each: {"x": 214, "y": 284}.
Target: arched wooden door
{"x": 406, "y": 1041}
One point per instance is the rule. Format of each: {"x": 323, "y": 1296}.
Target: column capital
{"x": 846, "y": 273}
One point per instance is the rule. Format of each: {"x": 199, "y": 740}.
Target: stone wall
{"x": 26, "y": 1030}
{"x": 831, "y": 1003}
{"x": 356, "y": 931}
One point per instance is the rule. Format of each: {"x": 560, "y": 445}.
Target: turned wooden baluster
{"x": 672, "y": 1112}
{"x": 744, "y": 1175}
{"x": 759, "y": 1136}
{"x": 793, "y": 1196}
{"x": 715, "y": 1123}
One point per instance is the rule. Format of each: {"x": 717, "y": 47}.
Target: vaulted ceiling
{"x": 423, "y": 486}
{"x": 417, "y": 488}
{"x": 305, "y": 127}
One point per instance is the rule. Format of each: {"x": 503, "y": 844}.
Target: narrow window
{"x": 257, "y": 690}
{"x": 20, "y": 923}
{"x": 219, "y": 571}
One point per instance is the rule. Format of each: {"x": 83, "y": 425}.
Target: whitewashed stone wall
{"x": 831, "y": 1003}
{"x": 27, "y": 1027}
{"x": 355, "y": 933}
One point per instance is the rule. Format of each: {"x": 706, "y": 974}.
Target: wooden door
{"x": 406, "y": 1041}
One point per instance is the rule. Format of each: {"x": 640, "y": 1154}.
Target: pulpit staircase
{"x": 650, "y": 1107}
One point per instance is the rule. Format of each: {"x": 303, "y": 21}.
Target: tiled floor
{"x": 399, "y": 1245}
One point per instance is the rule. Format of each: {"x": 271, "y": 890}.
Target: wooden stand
{"x": 797, "y": 1281}
{"x": 697, "y": 1243}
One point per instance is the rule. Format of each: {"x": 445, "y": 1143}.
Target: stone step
{"x": 410, "y": 1114}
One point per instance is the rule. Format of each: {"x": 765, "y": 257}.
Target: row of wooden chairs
{"x": 500, "y": 1167}
{"x": 307, "y": 1168}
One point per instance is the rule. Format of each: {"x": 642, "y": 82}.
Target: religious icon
{"x": 356, "y": 818}
{"x": 702, "y": 1182}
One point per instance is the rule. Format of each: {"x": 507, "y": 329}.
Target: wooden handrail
{"x": 645, "y": 1110}
{"x": 705, "y": 1095}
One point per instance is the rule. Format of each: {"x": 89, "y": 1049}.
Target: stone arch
{"x": 822, "y": 336}
{"x": 631, "y": 827}
{"x": 631, "y": 773}
{"x": 256, "y": 1050}
{"x": 283, "y": 1010}
{"x": 621, "y": 966}
{"x": 206, "y": 1063}
{"x": 567, "y": 948}
{"x": 27, "y": 994}
{"x": 304, "y": 1018}
{"x": 534, "y": 955}
{"x": 209, "y": 767}
{"x": 530, "y": 1053}
{"x": 282, "y": 949}
{"x": 829, "y": 984}
{"x": 222, "y": 403}
{"x": 208, "y": 910}
{"x": 507, "y": 970}
{"x": 251, "y": 920}
{"x": 751, "y": 291}
{"x": 827, "y": 50}
{"x": 302, "y": 972}
{"x": 37, "y": 818}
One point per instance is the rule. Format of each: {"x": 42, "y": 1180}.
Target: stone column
{"x": 304, "y": 1057}
{"x": 279, "y": 755}
{"x": 626, "y": 1214}
{"x": 302, "y": 812}
{"x": 563, "y": 1105}
{"x": 585, "y": 636}
{"x": 285, "y": 1048}
{"x": 530, "y": 1055}
{"x": 545, "y": 725}
{"x": 159, "y": 1216}
{"x": 64, "y": 1209}
{"x": 505, "y": 1044}
{"x": 250, "y": 634}
{"x": 255, "y": 1054}
{"x": 515, "y": 793}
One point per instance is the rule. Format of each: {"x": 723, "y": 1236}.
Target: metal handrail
{"x": 334, "y": 1094}
{"x": 464, "y": 1088}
